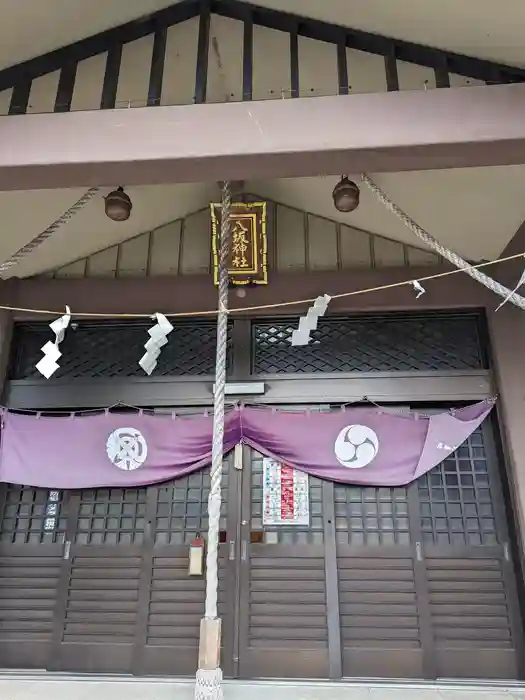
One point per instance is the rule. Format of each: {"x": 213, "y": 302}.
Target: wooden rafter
{"x": 111, "y": 41}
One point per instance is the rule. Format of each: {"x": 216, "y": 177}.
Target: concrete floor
{"x": 47, "y": 687}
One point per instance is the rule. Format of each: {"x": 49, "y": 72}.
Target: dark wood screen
{"x": 402, "y": 582}
{"x": 471, "y": 585}
{"x": 173, "y": 601}
{"x": 95, "y": 624}
{"x": 32, "y": 528}
{"x": 399, "y": 342}
{"x": 283, "y": 592}
{"x": 378, "y": 597}
{"x": 376, "y": 342}
{"x": 108, "y": 348}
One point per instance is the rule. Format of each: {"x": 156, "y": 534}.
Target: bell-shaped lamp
{"x": 346, "y": 195}
{"x": 118, "y": 205}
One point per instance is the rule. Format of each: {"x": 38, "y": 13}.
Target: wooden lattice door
{"x": 473, "y": 604}
{"x": 32, "y": 534}
{"x": 107, "y": 539}
{"x": 413, "y": 581}
{"x": 172, "y": 603}
{"x": 282, "y": 607}
{"x": 126, "y": 603}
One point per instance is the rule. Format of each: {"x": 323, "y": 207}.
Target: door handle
{"x": 419, "y": 552}
{"x": 67, "y": 550}
{"x": 231, "y": 553}
{"x": 506, "y": 553}
{"x": 244, "y": 549}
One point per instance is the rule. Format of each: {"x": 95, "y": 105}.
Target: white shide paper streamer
{"x": 48, "y": 365}
{"x": 308, "y": 322}
{"x": 418, "y": 288}
{"x": 158, "y": 339}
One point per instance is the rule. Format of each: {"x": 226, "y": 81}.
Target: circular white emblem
{"x": 356, "y": 446}
{"x": 127, "y": 449}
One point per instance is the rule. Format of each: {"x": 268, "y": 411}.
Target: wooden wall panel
{"x": 322, "y": 241}
{"x": 165, "y": 249}
{"x": 134, "y": 256}
{"x": 297, "y": 242}
{"x": 291, "y": 248}
{"x": 103, "y": 264}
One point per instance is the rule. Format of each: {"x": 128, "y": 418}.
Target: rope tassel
{"x": 209, "y": 676}
{"x": 521, "y": 282}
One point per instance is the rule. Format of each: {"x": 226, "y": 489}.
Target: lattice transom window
{"x": 457, "y": 499}
{"x": 113, "y": 349}
{"x": 371, "y": 516}
{"x": 368, "y": 344}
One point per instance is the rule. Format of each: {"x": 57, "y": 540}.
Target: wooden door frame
{"x": 72, "y": 511}
{"x": 510, "y": 563}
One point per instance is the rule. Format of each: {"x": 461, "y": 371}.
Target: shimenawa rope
{"x": 208, "y": 681}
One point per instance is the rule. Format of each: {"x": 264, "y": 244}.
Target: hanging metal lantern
{"x": 346, "y": 195}
{"x": 118, "y": 205}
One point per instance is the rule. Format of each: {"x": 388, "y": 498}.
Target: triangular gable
{"x": 298, "y": 240}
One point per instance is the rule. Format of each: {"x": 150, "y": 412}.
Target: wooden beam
{"x": 108, "y": 98}
{"x": 247, "y": 59}
{"x": 203, "y": 45}
{"x": 468, "y": 66}
{"x": 455, "y": 128}
{"x": 196, "y": 292}
{"x": 157, "y": 67}
{"x": 66, "y": 85}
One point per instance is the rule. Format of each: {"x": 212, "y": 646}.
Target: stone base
{"x": 46, "y": 686}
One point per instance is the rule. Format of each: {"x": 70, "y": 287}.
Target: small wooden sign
{"x": 248, "y": 262}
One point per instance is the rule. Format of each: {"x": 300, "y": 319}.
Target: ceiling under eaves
{"x": 481, "y": 28}
{"x": 474, "y": 211}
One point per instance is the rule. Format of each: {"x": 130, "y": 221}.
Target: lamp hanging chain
{"x": 49, "y": 231}
{"x": 449, "y": 255}
{"x": 208, "y": 681}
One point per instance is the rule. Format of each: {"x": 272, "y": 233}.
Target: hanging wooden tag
{"x": 196, "y": 556}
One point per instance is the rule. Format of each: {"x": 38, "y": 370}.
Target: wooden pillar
{"x": 6, "y": 333}
{"x": 507, "y": 332}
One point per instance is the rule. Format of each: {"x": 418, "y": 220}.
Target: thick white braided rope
{"x": 214, "y": 500}
{"x": 449, "y": 255}
{"x": 49, "y": 231}
{"x": 208, "y": 682}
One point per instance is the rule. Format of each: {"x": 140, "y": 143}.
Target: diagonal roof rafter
{"x": 441, "y": 61}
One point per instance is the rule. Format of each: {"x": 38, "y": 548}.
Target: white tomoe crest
{"x": 356, "y": 446}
